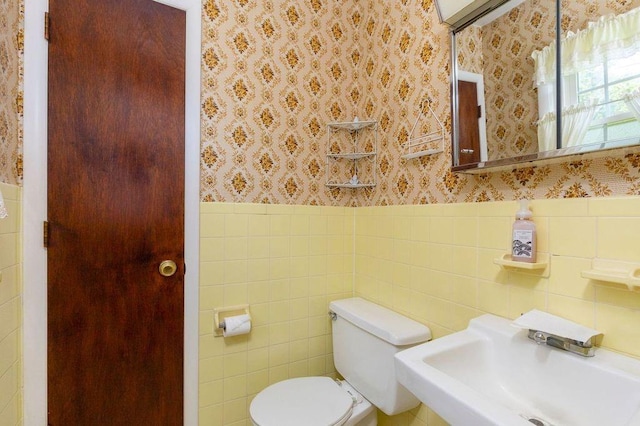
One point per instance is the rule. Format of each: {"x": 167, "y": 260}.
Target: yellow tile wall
{"x": 287, "y": 263}
{"x": 10, "y": 310}
{"x": 447, "y": 251}
{"x": 433, "y": 263}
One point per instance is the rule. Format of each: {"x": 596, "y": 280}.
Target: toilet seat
{"x": 309, "y": 401}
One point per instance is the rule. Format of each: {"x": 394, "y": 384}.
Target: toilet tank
{"x": 365, "y": 338}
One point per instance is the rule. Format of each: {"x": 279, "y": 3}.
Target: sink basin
{"x": 492, "y": 374}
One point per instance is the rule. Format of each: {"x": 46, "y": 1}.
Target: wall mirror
{"x": 508, "y": 89}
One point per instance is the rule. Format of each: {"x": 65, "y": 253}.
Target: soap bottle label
{"x": 522, "y": 243}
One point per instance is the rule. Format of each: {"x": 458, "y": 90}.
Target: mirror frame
{"x": 545, "y": 157}
{"x": 469, "y": 13}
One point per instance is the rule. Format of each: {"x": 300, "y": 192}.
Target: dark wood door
{"x": 468, "y": 127}
{"x": 116, "y": 211}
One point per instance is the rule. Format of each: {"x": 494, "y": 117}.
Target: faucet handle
{"x": 539, "y": 337}
{"x": 581, "y": 348}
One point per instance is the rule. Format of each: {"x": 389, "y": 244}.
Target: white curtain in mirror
{"x": 610, "y": 37}
{"x": 547, "y": 132}
{"x": 633, "y": 103}
{"x": 575, "y": 124}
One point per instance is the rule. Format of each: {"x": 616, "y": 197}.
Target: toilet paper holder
{"x": 219, "y": 314}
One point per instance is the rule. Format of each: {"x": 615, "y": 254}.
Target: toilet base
{"x": 367, "y": 419}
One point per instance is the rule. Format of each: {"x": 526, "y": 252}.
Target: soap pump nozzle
{"x": 524, "y": 212}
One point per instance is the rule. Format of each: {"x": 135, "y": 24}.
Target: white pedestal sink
{"x": 492, "y": 374}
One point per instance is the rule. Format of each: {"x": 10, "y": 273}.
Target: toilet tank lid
{"x": 381, "y": 322}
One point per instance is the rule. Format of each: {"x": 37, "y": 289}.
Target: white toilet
{"x": 365, "y": 338}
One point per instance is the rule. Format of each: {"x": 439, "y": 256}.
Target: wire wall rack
{"x": 427, "y": 134}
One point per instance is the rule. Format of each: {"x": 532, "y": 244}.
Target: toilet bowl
{"x": 311, "y": 401}
{"x": 365, "y": 338}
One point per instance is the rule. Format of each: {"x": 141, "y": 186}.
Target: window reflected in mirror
{"x": 600, "y": 84}
{"x": 511, "y": 52}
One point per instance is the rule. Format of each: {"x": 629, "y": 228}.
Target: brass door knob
{"x": 167, "y": 268}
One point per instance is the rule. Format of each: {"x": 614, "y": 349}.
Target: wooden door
{"x": 468, "y": 127}
{"x": 115, "y": 212}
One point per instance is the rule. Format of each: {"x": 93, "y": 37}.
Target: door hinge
{"x": 479, "y": 111}
{"x": 45, "y": 234}
{"x": 47, "y": 24}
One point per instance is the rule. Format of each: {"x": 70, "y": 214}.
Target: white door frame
{"x": 34, "y": 211}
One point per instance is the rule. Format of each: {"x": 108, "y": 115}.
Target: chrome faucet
{"x": 581, "y": 348}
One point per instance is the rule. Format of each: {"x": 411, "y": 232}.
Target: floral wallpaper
{"x": 276, "y": 72}
{"x": 11, "y": 94}
{"x": 408, "y": 63}
{"x": 469, "y": 49}
{"x": 512, "y": 99}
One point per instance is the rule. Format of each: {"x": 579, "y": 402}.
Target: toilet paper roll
{"x": 3, "y": 209}
{"x": 236, "y": 325}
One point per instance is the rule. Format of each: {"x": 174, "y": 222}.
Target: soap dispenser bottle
{"x": 524, "y": 235}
